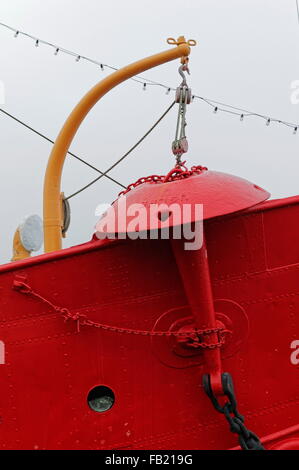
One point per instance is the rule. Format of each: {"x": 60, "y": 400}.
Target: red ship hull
{"x": 51, "y": 365}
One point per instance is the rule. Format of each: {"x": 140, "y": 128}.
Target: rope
{"x": 124, "y": 156}
{"x": 52, "y": 142}
{"x": 191, "y": 336}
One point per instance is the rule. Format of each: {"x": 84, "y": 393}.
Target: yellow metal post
{"x": 52, "y": 201}
{"x": 19, "y": 252}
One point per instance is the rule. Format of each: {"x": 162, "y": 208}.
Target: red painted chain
{"x": 82, "y": 320}
{"x": 177, "y": 173}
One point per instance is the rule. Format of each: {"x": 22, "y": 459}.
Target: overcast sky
{"x": 247, "y": 55}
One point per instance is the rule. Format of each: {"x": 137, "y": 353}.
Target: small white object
{"x": 31, "y": 233}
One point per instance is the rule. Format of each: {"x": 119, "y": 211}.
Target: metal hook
{"x": 184, "y": 68}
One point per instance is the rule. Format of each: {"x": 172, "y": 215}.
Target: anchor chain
{"x": 183, "y": 98}
{"x": 247, "y": 439}
{"x": 174, "y": 175}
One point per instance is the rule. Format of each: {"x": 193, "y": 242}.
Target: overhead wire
{"x": 52, "y": 142}
{"x": 221, "y": 106}
{"x": 102, "y": 174}
{"x": 124, "y": 156}
{"x": 218, "y": 106}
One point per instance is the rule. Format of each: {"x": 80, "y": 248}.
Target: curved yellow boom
{"x": 52, "y": 201}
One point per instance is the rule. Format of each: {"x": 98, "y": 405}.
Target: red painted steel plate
{"x": 219, "y": 193}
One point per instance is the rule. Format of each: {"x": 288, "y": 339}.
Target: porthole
{"x": 101, "y": 399}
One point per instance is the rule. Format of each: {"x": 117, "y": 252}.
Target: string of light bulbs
{"x": 78, "y": 57}
{"x": 218, "y": 107}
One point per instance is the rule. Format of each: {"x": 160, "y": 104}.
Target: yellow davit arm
{"x": 52, "y": 201}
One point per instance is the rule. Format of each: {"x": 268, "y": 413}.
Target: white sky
{"x": 247, "y": 56}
